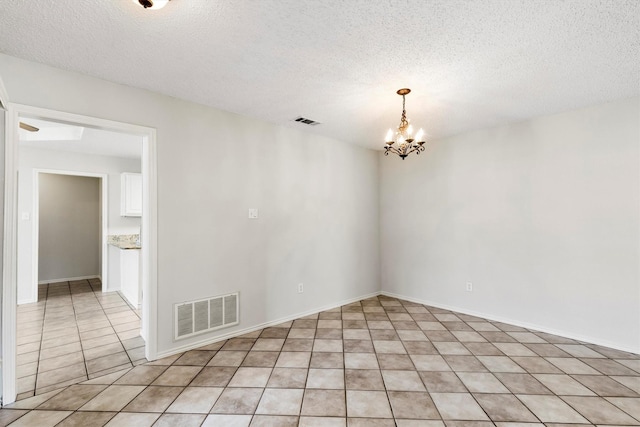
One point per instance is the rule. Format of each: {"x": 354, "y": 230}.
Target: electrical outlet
{"x": 469, "y": 287}
{"x": 253, "y": 213}
{"x": 300, "y": 288}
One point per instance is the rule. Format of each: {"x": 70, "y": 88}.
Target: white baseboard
{"x": 577, "y": 337}
{"x": 69, "y": 279}
{"x": 236, "y": 333}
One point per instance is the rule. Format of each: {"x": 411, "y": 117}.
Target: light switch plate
{"x": 253, "y": 213}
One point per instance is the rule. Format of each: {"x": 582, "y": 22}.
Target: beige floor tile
{"x": 56, "y": 386}
{"x": 578, "y": 350}
{"x": 402, "y": 381}
{"x": 412, "y": 405}
{"x": 327, "y": 346}
{"x": 60, "y": 361}
{"x": 550, "y": 409}
{"x": 27, "y": 358}
{"x": 180, "y": 420}
{"x": 322, "y": 422}
{"x": 195, "y": 358}
{"x": 423, "y": 423}
{"x": 393, "y": 347}
{"x": 361, "y": 361}
{"x": 296, "y": 359}
{"x": 87, "y": 419}
{"x": 325, "y": 379}
{"x": 238, "y": 401}
{"x": 598, "y": 411}
{"x": 631, "y": 405}
{"x": 561, "y": 384}
{"x": 103, "y": 350}
{"x": 227, "y": 420}
{"x": 327, "y": 360}
{"x": 572, "y": 366}
{"x": 228, "y": 358}
{"x": 424, "y": 362}
{"x": 124, "y": 419}
{"x": 177, "y": 375}
{"x": 451, "y": 348}
{"x": 368, "y": 404}
{"x": 500, "y": 364}
{"x": 196, "y": 400}
{"x": 504, "y": 407}
{"x": 113, "y": 398}
{"x": 328, "y": 403}
{"x": 26, "y": 369}
{"x": 280, "y": 401}
{"x": 363, "y": 379}
{"x": 106, "y": 362}
{"x": 214, "y": 376}
{"x": 41, "y": 419}
{"x": 60, "y": 375}
{"x": 482, "y": 382}
{"x": 464, "y": 363}
{"x": 458, "y": 406}
{"x": 274, "y": 421}
{"x": 141, "y": 375}
{"x": 99, "y": 341}
{"x": 605, "y": 386}
{"x": 24, "y": 384}
{"x": 154, "y": 399}
{"x": 442, "y": 382}
{"x": 250, "y": 377}
{"x": 110, "y": 370}
{"x": 611, "y": 367}
{"x": 33, "y": 402}
{"x": 60, "y": 350}
{"x": 268, "y": 344}
{"x": 27, "y": 348}
{"x": 65, "y": 339}
{"x": 73, "y": 397}
{"x": 288, "y": 378}
{"x": 7, "y": 416}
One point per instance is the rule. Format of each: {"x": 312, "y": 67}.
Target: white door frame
{"x": 104, "y": 226}
{"x": 149, "y": 236}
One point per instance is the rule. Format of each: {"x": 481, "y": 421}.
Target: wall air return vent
{"x": 306, "y": 121}
{"x": 205, "y": 315}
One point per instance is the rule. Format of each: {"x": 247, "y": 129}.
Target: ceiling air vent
{"x": 306, "y": 121}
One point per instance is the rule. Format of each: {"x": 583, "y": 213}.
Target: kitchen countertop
{"x": 124, "y": 241}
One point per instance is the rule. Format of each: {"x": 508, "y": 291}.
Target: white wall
{"x": 69, "y": 227}
{"x": 33, "y": 158}
{"x": 317, "y": 198}
{"x": 542, "y": 216}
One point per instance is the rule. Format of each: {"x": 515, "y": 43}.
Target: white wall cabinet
{"x": 131, "y": 194}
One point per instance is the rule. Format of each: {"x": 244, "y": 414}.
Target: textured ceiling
{"x": 470, "y": 64}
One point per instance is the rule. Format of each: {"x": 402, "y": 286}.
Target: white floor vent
{"x": 197, "y": 317}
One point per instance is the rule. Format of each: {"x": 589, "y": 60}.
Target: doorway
{"x": 13, "y": 218}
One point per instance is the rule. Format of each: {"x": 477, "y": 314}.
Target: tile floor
{"x": 379, "y": 362}
{"x": 74, "y": 333}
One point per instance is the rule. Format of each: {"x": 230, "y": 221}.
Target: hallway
{"x": 74, "y": 333}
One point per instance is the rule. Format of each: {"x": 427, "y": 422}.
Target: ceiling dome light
{"x": 152, "y": 4}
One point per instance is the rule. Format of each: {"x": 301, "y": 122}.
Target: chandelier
{"x": 402, "y": 142}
